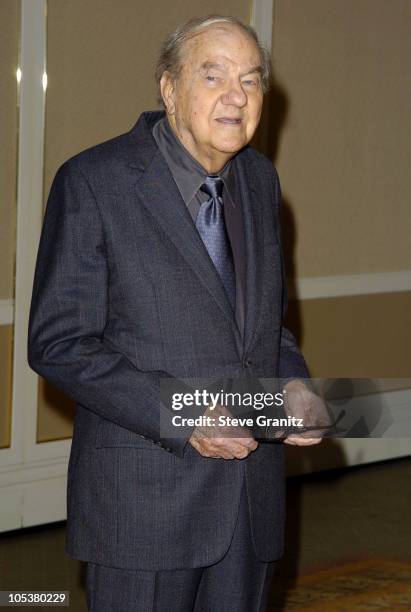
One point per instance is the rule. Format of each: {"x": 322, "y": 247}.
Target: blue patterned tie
{"x": 211, "y": 227}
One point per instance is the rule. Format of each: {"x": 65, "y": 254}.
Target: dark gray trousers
{"x": 239, "y": 582}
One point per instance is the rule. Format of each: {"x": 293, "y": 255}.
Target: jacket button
{"x": 247, "y": 363}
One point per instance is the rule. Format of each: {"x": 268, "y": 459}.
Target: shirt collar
{"x": 187, "y": 172}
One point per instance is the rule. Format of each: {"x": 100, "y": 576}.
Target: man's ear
{"x": 168, "y": 92}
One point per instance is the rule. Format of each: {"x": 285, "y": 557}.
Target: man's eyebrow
{"x": 208, "y": 65}
{"x": 258, "y": 68}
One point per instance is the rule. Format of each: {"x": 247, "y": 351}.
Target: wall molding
{"x": 31, "y": 95}
{"x": 34, "y": 471}
{"x": 262, "y": 21}
{"x": 29, "y": 217}
{"x": 317, "y": 287}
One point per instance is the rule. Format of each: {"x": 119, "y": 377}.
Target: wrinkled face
{"x": 215, "y": 105}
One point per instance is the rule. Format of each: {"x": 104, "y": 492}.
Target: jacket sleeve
{"x": 69, "y": 311}
{"x": 292, "y": 363}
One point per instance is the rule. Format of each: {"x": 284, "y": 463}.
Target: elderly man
{"x": 160, "y": 257}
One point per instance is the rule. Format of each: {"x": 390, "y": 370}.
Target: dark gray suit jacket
{"x": 124, "y": 294}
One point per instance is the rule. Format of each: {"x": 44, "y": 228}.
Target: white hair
{"x": 171, "y": 56}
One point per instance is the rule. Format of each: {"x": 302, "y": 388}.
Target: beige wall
{"x": 339, "y": 132}
{"x": 9, "y": 18}
{"x": 363, "y": 336}
{"x": 100, "y": 61}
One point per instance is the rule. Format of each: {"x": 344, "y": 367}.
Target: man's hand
{"x": 303, "y": 403}
{"x": 211, "y": 441}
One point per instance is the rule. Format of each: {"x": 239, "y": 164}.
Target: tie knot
{"x": 213, "y": 186}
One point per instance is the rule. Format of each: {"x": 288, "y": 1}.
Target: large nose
{"x": 234, "y": 94}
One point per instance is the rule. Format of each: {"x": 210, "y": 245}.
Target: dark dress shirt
{"x": 189, "y": 175}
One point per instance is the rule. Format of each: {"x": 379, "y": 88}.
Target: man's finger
{"x": 251, "y": 443}
{"x": 224, "y": 448}
{"x": 299, "y": 441}
{"x": 240, "y": 444}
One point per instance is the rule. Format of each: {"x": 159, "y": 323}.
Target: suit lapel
{"x": 254, "y": 241}
{"x": 159, "y": 194}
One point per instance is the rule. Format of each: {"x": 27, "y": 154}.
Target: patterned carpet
{"x": 375, "y": 584}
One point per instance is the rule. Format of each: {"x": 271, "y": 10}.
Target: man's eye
{"x": 250, "y": 82}
{"x": 211, "y": 78}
